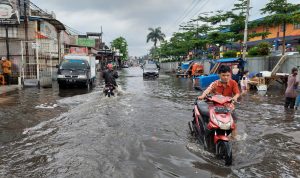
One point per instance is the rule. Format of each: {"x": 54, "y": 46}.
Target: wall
{"x": 169, "y": 66}
{"x": 292, "y": 61}
{"x": 257, "y": 64}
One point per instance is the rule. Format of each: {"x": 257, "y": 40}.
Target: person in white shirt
{"x": 244, "y": 82}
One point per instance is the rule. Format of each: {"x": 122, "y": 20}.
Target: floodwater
{"x": 141, "y": 133}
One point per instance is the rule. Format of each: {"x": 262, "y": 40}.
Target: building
{"x": 276, "y": 35}
{"x": 34, "y": 44}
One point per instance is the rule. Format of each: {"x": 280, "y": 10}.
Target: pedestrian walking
{"x": 291, "y": 90}
{"x": 245, "y": 82}
{"x": 6, "y": 68}
{"x": 235, "y": 73}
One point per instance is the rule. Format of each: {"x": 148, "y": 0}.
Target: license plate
{"x": 221, "y": 110}
{"x": 70, "y": 80}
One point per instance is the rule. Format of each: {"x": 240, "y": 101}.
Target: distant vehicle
{"x": 77, "y": 70}
{"x": 150, "y": 70}
{"x": 125, "y": 66}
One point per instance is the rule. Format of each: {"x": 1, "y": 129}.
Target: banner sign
{"x": 9, "y": 14}
{"x": 85, "y": 42}
{"x": 78, "y": 50}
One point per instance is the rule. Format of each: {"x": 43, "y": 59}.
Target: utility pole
{"x": 284, "y": 32}
{"x": 7, "y": 42}
{"x": 246, "y": 30}
{"x": 26, "y": 32}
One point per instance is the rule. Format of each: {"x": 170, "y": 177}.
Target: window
{"x": 297, "y": 26}
{"x": 266, "y": 29}
{"x": 281, "y": 28}
{"x": 12, "y": 32}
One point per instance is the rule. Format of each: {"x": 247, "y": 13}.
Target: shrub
{"x": 253, "y": 52}
{"x": 263, "y": 48}
{"x": 298, "y": 48}
{"x": 210, "y": 56}
{"x": 229, "y": 54}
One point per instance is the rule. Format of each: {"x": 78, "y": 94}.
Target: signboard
{"x": 86, "y": 42}
{"x": 48, "y": 30}
{"x": 78, "y": 50}
{"x": 9, "y": 14}
{"x": 35, "y": 45}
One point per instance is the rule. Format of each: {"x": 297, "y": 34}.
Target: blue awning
{"x": 228, "y": 60}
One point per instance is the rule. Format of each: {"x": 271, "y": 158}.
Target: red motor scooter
{"x": 213, "y": 123}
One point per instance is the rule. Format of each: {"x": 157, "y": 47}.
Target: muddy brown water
{"x": 142, "y": 132}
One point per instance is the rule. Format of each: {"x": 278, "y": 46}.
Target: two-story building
{"x": 275, "y": 36}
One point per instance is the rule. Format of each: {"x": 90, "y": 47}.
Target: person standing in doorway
{"x": 6, "y": 68}
{"x": 291, "y": 90}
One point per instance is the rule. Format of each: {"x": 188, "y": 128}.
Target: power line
{"x": 185, "y": 12}
{"x": 72, "y": 30}
{"x": 191, "y": 10}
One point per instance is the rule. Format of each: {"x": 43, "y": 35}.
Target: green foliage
{"x": 229, "y": 54}
{"x": 280, "y": 12}
{"x": 154, "y": 53}
{"x": 155, "y": 35}
{"x": 225, "y": 27}
{"x": 253, "y": 52}
{"x": 298, "y": 48}
{"x": 263, "y": 48}
{"x": 210, "y": 56}
{"x": 121, "y": 44}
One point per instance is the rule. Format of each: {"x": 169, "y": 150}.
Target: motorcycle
{"x": 213, "y": 123}
{"x": 109, "y": 90}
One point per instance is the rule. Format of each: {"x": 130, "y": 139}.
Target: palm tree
{"x": 155, "y": 35}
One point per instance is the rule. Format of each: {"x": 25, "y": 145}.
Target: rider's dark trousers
{"x": 290, "y": 102}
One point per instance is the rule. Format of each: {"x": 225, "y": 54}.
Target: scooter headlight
{"x": 215, "y": 119}
{"x": 223, "y": 126}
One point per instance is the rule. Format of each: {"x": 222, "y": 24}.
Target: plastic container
{"x": 266, "y": 73}
{"x": 205, "y": 81}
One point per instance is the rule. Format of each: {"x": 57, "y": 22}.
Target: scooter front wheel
{"x": 191, "y": 128}
{"x": 224, "y": 151}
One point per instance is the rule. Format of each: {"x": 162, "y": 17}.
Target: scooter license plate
{"x": 221, "y": 110}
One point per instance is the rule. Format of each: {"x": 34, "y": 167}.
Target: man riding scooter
{"x": 224, "y": 86}
{"x": 110, "y": 76}
{"x": 214, "y": 119}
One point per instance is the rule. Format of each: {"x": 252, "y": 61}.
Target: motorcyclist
{"x": 224, "y": 86}
{"x": 110, "y": 76}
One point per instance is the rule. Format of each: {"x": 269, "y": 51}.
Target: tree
{"x": 121, "y": 44}
{"x": 280, "y": 13}
{"x": 155, "y": 35}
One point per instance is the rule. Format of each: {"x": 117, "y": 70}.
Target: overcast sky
{"x": 132, "y": 18}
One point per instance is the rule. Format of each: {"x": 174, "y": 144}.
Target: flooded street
{"x": 142, "y": 132}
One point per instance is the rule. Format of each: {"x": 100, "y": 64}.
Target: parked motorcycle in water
{"x": 109, "y": 90}
{"x": 213, "y": 123}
